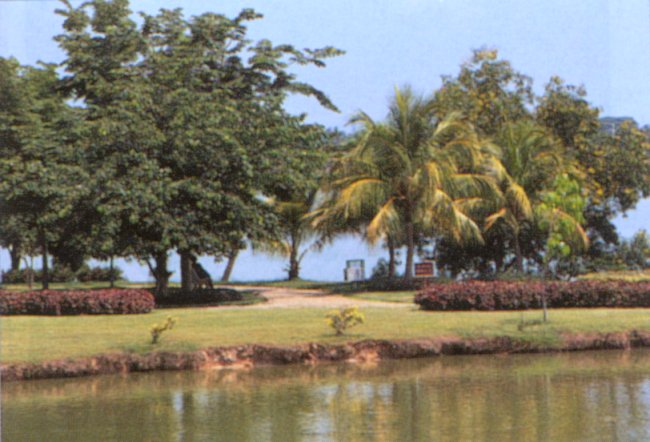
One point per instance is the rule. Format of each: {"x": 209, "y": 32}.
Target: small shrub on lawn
{"x": 344, "y": 318}
{"x": 176, "y": 297}
{"x": 76, "y": 302}
{"x": 503, "y": 295}
{"x": 158, "y": 329}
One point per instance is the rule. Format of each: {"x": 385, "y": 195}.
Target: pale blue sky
{"x": 603, "y": 44}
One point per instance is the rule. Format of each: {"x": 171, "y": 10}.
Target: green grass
{"x": 404, "y": 297}
{"x": 83, "y": 285}
{"x": 31, "y": 338}
{"x": 622, "y": 275}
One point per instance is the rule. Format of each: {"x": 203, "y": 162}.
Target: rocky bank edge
{"x": 243, "y": 356}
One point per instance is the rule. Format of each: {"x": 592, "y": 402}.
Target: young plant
{"x": 561, "y": 214}
{"x": 344, "y": 318}
{"x": 158, "y": 329}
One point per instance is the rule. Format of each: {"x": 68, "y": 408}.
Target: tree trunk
{"x": 29, "y": 264}
{"x": 410, "y": 252}
{"x": 46, "y": 269}
{"x": 294, "y": 264}
{"x": 186, "y": 270}
{"x": 160, "y": 272}
{"x": 391, "y": 257}
{"x": 519, "y": 259}
{"x": 545, "y": 273}
{"x": 14, "y": 253}
{"x": 111, "y": 271}
{"x": 232, "y": 257}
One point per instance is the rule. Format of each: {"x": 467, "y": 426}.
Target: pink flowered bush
{"x": 505, "y": 295}
{"x": 76, "y": 302}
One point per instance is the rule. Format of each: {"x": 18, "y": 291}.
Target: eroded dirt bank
{"x": 243, "y": 356}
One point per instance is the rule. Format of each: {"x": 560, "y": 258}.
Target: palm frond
{"x": 382, "y": 222}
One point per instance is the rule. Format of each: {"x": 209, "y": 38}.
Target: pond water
{"x": 582, "y": 396}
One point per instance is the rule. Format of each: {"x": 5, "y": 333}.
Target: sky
{"x": 601, "y": 44}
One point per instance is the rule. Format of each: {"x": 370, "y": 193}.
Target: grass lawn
{"x": 83, "y": 285}
{"x": 622, "y": 275}
{"x": 401, "y": 297}
{"x": 38, "y": 338}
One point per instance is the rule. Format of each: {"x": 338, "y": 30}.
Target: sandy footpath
{"x": 280, "y": 297}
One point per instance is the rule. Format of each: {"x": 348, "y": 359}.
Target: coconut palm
{"x": 295, "y": 231}
{"x": 528, "y": 161}
{"x": 409, "y": 176}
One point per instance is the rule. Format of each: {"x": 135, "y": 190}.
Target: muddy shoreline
{"x": 249, "y": 355}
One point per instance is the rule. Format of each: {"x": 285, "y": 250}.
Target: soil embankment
{"x": 243, "y": 356}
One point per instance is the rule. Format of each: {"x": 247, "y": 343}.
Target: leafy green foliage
{"x": 158, "y": 329}
{"x": 344, "y": 318}
{"x": 182, "y": 154}
{"x": 487, "y": 91}
{"x": 408, "y": 177}
{"x": 635, "y": 253}
{"x": 560, "y": 213}
{"x": 42, "y": 173}
{"x": 612, "y": 166}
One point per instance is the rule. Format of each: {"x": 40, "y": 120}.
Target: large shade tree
{"x": 614, "y": 167}
{"x": 42, "y": 174}
{"x": 185, "y": 126}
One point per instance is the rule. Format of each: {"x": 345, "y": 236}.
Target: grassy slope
{"x": 28, "y": 338}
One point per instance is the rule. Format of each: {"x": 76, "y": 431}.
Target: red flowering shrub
{"x": 76, "y": 302}
{"x": 503, "y": 295}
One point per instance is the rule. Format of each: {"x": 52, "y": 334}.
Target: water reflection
{"x": 585, "y": 396}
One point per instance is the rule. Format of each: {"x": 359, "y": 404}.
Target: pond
{"x": 581, "y": 396}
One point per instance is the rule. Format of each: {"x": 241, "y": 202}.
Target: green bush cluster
{"x": 64, "y": 274}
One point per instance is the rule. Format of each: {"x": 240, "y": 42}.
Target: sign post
{"x": 424, "y": 269}
{"x": 354, "y": 270}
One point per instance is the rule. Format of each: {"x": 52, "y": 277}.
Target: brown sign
{"x": 424, "y": 269}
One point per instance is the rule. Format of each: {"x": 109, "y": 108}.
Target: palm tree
{"x": 528, "y": 161}
{"x": 409, "y": 176}
{"x": 294, "y": 231}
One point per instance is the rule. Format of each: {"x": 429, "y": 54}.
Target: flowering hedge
{"x": 502, "y": 295}
{"x": 76, "y": 302}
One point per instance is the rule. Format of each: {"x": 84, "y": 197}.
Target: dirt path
{"x": 280, "y": 297}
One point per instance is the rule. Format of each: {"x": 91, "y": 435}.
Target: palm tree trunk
{"x": 232, "y": 257}
{"x": 294, "y": 265}
{"x": 391, "y": 258}
{"x": 410, "y": 251}
{"x": 519, "y": 259}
